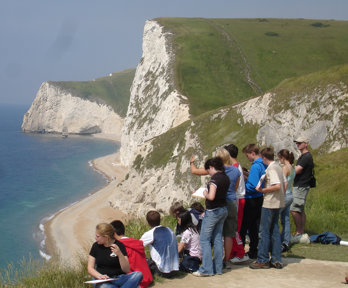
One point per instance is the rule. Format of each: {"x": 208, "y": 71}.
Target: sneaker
{"x": 285, "y": 248}
{"x": 226, "y": 265}
{"x": 295, "y": 239}
{"x": 258, "y": 265}
{"x": 236, "y": 260}
{"x": 277, "y": 265}
{"x": 304, "y": 239}
{"x": 199, "y": 274}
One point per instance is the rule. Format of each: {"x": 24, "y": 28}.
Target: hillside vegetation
{"x": 223, "y": 61}
{"x": 112, "y": 90}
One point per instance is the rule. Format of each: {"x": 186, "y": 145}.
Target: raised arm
{"x": 124, "y": 263}
{"x": 195, "y": 170}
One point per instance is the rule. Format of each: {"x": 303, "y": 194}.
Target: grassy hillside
{"x": 113, "y": 90}
{"x": 223, "y": 61}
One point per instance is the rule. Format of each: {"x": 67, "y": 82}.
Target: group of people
{"x": 237, "y": 203}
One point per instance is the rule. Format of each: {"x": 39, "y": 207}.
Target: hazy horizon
{"x": 81, "y": 40}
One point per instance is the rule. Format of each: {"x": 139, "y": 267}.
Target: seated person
{"x": 135, "y": 251}
{"x": 162, "y": 244}
{"x": 108, "y": 259}
{"x": 196, "y": 211}
{"x": 189, "y": 244}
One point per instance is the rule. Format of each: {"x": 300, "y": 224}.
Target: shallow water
{"x": 39, "y": 175}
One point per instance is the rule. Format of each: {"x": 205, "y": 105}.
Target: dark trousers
{"x": 251, "y": 223}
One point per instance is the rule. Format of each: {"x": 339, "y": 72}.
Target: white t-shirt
{"x": 191, "y": 239}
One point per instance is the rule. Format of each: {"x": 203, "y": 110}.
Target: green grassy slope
{"x": 216, "y": 57}
{"x": 113, "y": 90}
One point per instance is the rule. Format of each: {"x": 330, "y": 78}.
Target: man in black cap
{"x": 302, "y": 183}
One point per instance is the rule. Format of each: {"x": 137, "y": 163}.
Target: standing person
{"x": 135, "y": 251}
{"x": 163, "y": 246}
{"x": 304, "y": 175}
{"x": 214, "y": 217}
{"x": 253, "y": 199}
{"x": 272, "y": 202}
{"x": 287, "y": 159}
{"x": 230, "y": 224}
{"x": 108, "y": 259}
{"x": 238, "y": 253}
{"x": 189, "y": 244}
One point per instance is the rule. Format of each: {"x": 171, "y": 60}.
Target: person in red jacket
{"x": 136, "y": 253}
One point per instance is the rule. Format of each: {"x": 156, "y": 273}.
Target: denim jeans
{"x": 130, "y": 280}
{"x": 211, "y": 232}
{"x": 270, "y": 237}
{"x": 285, "y": 220}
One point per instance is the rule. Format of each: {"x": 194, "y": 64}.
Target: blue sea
{"x": 40, "y": 174}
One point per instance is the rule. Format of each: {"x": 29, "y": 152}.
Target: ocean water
{"x": 40, "y": 175}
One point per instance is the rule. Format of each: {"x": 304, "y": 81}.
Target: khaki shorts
{"x": 299, "y": 198}
{"x": 230, "y": 224}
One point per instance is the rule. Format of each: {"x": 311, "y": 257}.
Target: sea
{"x": 40, "y": 174}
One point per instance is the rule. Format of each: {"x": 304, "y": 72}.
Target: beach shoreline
{"x": 70, "y": 232}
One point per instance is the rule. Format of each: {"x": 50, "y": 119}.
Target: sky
{"x": 79, "y": 40}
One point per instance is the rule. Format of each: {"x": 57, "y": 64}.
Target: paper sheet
{"x": 199, "y": 193}
{"x": 100, "y": 280}
{"x": 260, "y": 181}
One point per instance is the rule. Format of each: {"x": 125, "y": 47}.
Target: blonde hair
{"x": 225, "y": 156}
{"x": 106, "y": 230}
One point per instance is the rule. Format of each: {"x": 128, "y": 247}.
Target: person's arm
{"x": 254, "y": 176}
{"x": 237, "y": 184}
{"x": 124, "y": 263}
{"x": 181, "y": 247}
{"x": 195, "y": 170}
{"x": 91, "y": 270}
{"x": 271, "y": 188}
{"x": 286, "y": 173}
{"x": 211, "y": 194}
{"x": 147, "y": 238}
{"x": 298, "y": 169}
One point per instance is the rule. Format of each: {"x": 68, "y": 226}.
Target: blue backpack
{"x": 325, "y": 238}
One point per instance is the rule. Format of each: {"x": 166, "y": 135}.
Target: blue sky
{"x": 78, "y": 40}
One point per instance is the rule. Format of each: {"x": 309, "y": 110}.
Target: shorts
{"x": 299, "y": 198}
{"x": 230, "y": 224}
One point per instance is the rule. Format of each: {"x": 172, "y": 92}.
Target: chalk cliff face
{"x": 157, "y": 188}
{"x": 55, "y": 110}
{"x": 155, "y": 106}
{"x": 322, "y": 124}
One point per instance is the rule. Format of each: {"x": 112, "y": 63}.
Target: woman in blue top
{"x": 287, "y": 159}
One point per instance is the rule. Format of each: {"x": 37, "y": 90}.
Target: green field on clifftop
{"x": 223, "y": 61}
{"x": 112, "y": 90}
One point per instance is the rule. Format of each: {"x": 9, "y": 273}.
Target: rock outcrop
{"x": 320, "y": 116}
{"x": 55, "y": 110}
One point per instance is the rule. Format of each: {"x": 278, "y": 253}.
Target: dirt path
{"x": 297, "y": 273}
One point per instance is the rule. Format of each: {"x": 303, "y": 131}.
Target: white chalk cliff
{"x": 155, "y": 106}
{"x": 55, "y": 110}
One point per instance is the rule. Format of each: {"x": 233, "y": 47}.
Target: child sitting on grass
{"x": 189, "y": 243}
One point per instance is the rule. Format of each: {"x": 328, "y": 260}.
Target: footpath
{"x": 297, "y": 273}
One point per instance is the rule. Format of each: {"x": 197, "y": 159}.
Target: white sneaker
{"x": 295, "y": 239}
{"x": 304, "y": 239}
{"x": 199, "y": 274}
{"x": 236, "y": 260}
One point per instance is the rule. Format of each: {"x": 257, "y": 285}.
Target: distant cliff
{"x": 55, "y": 109}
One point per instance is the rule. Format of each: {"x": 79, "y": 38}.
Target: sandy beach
{"x": 70, "y": 233}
